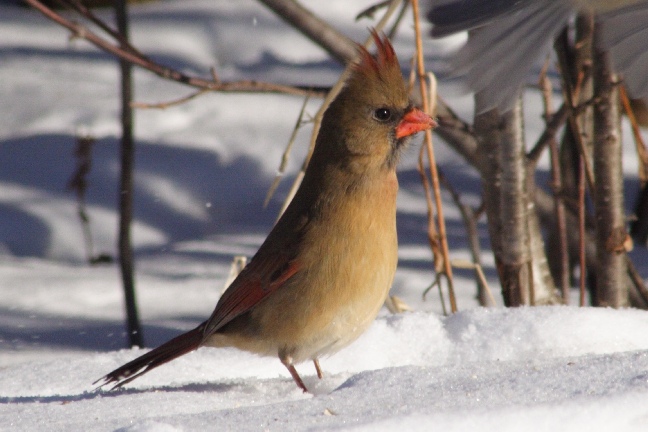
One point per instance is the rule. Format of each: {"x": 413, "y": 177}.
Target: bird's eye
{"x": 382, "y": 114}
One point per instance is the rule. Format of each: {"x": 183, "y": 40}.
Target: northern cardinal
{"x": 322, "y": 274}
{"x": 514, "y": 34}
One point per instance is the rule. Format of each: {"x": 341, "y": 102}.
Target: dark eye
{"x": 382, "y": 114}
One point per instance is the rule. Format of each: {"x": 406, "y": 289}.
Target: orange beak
{"x": 414, "y": 121}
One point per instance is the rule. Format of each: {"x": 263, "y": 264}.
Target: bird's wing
{"x": 452, "y": 16}
{"x": 265, "y": 274}
{"x": 511, "y": 39}
{"x": 509, "y": 48}
{"x": 624, "y": 33}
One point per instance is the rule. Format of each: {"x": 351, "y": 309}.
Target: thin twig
{"x": 286, "y": 154}
{"x": 171, "y": 103}
{"x": 637, "y": 280}
{"x": 397, "y": 21}
{"x": 432, "y": 233}
{"x": 238, "y": 264}
{"x": 436, "y": 282}
{"x": 463, "y": 264}
{"x": 79, "y": 184}
{"x": 571, "y": 94}
{"x": 576, "y": 132}
{"x": 581, "y": 229}
{"x": 77, "y": 6}
{"x": 432, "y": 161}
{"x": 556, "y": 184}
{"x": 639, "y": 143}
{"x": 469, "y": 216}
{"x": 396, "y": 305}
{"x": 553, "y": 122}
{"x": 371, "y": 10}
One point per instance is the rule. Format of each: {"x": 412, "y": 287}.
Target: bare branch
{"x": 371, "y": 10}
{"x": 638, "y": 283}
{"x": 79, "y": 184}
{"x": 286, "y": 154}
{"x": 639, "y": 143}
{"x": 582, "y": 234}
{"x": 242, "y": 86}
{"x": 165, "y": 105}
{"x": 470, "y": 216}
{"x": 556, "y": 121}
{"x": 556, "y": 184}
{"x": 456, "y": 132}
{"x": 76, "y": 5}
{"x": 481, "y": 277}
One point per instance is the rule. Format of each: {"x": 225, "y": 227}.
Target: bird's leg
{"x": 287, "y": 361}
{"x": 296, "y": 377}
{"x": 320, "y": 375}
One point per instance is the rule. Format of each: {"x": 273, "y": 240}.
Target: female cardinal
{"x": 320, "y": 277}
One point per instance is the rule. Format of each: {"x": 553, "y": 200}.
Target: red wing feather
{"x": 258, "y": 280}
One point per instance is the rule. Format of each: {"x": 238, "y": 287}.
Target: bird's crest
{"x": 384, "y": 60}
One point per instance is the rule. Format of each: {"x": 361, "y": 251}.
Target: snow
{"x": 203, "y": 169}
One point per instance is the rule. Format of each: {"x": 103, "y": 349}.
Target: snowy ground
{"x": 203, "y": 169}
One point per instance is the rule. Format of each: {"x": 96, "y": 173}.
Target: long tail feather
{"x": 175, "y": 348}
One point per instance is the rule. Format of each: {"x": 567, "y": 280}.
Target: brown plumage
{"x": 324, "y": 271}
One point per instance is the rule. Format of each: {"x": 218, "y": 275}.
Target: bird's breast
{"x": 348, "y": 259}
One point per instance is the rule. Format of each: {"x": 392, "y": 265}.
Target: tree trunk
{"x": 513, "y": 226}
{"x": 611, "y": 235}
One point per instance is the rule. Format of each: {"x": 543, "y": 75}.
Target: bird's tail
{"x": 176, "y": 347}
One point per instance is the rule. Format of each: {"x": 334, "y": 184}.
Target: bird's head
{"x": 373, "y": 115}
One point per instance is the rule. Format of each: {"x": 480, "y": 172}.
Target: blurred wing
{"x": 500, "y": 54}
{"x": 454, "y": 16}
{"x": 260, "y": 278}
{"x": 625, "y": 34}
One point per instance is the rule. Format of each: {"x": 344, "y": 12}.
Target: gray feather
{"x": 455, "y": 16}
{"x": 625, "y": 35}
{"x": 510, "y": 36}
